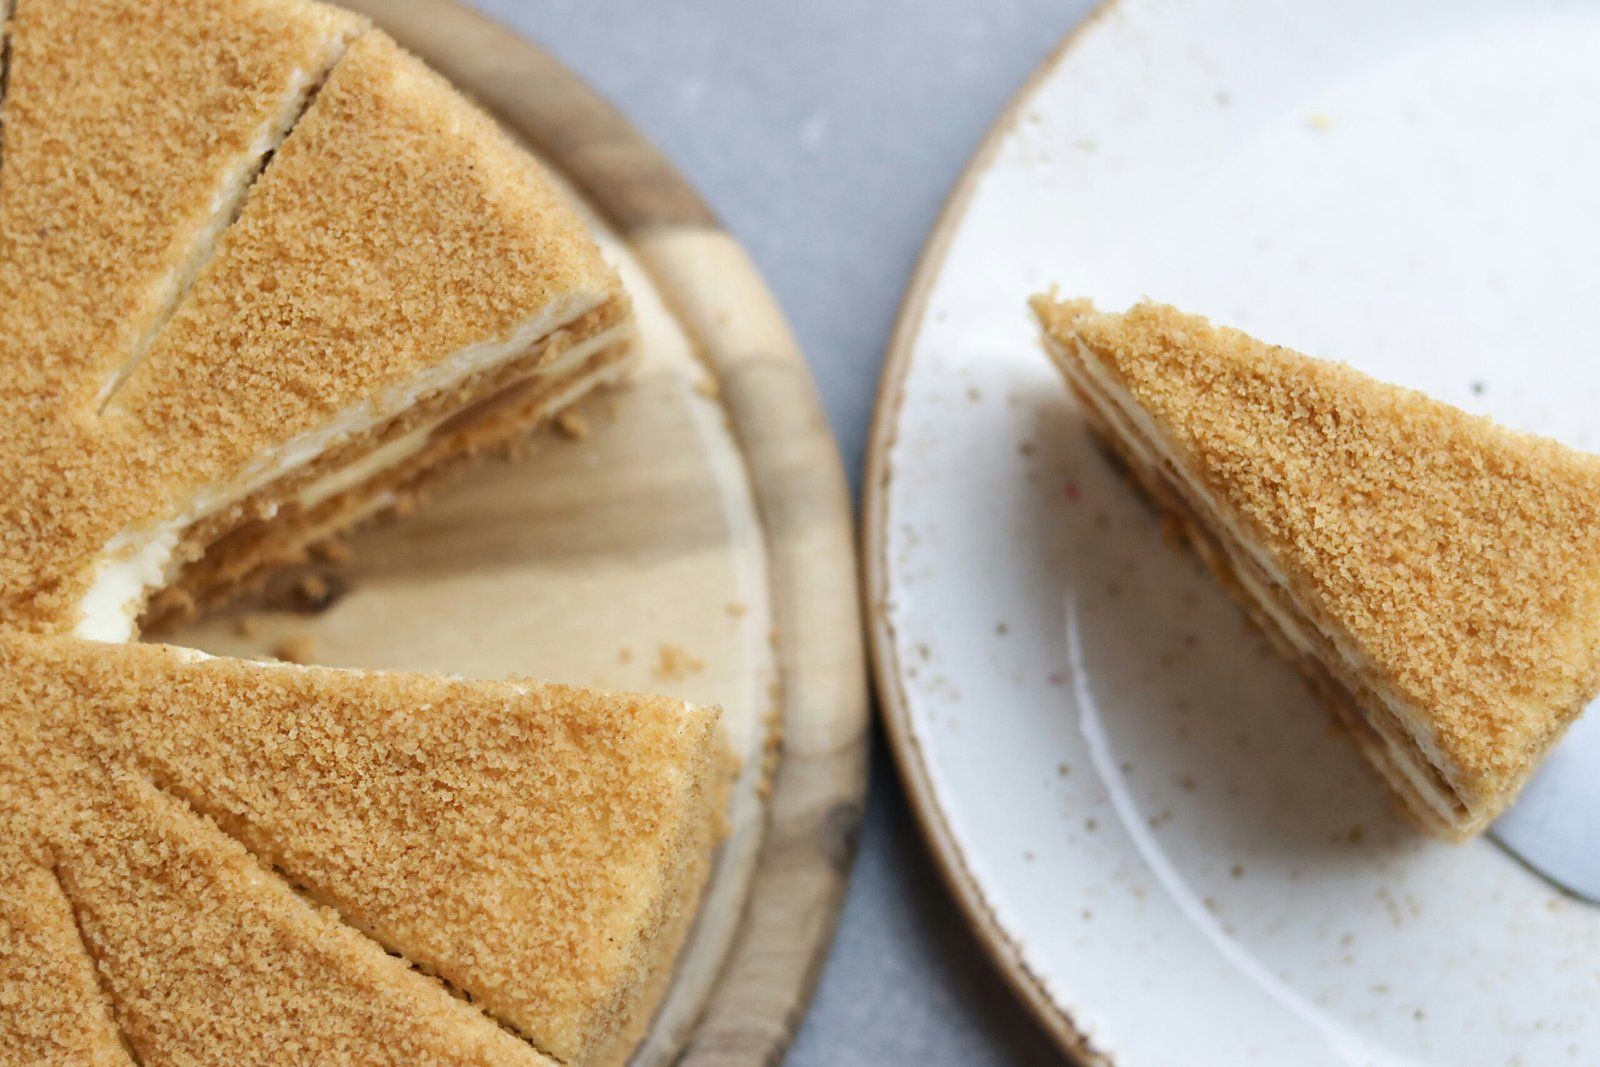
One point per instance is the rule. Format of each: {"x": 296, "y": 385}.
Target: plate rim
{"x": 888, "y": 676}
{"x": 817, "y": 775}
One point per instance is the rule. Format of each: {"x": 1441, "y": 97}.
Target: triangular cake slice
{"x": 1437, "y": 577}
{"x": 404, "y": 285}
{"x": 134, "y": 933}
{"x": 539, "y": 848}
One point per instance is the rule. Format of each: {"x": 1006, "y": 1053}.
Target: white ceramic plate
{"x": 1143, "y": 812}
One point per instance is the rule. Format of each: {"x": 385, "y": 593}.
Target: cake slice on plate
{"x": 403, "y": 286}
{"x": 1436, "y": 577}
{"x": 539, "y": 848}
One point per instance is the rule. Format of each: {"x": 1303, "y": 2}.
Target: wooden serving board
{"x": 689, "y": 533}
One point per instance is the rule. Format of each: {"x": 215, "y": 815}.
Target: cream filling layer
{"x": 376, "y": 502}
{"x": 142, "y": 558}
{"x": 393, "y": 453}
{"x": 1147, "y": 444}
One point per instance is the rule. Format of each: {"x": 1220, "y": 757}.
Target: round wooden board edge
{"x": 818, "y": 785}
{"x": 888, "y": 676}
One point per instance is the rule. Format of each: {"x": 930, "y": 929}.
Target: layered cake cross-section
{"x": 1434, "y": 575}
{"x": 262, "y": 273}
{"x": 197, "y": 349}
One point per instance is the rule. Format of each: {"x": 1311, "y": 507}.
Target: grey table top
{"x": 826, "y": 135}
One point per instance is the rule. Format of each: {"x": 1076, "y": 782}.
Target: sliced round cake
{"x": 261, "y": 274}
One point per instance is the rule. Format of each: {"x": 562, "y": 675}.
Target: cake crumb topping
{"x": 1462, "y": 558}
{"x": 530, "y": 844}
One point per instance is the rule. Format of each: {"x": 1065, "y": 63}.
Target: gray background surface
{"x": 826, "y": 134}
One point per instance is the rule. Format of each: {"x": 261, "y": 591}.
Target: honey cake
{"x": 131, "y": 132}
{"x": 537, "y": 847}
{"x": 262, "y": 860}
{"x": 102, "y": 224}
{"x": 398, "y": 265}
{"x": 52, "y": 1011}
{"x": 1433, "y": 574}
{"x": 207, "y": 956}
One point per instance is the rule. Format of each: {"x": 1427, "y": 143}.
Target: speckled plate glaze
{"x": 1145, "y": 815}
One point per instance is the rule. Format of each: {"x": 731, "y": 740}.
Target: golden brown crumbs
{"x": 772, "y": 743}
{"x": 390, "y": 184}
{"x": 55, "y": 1010}
{"x": 297, "y": 649}
{"x": 97, "y": 224}
{"x": 572, "y": 425}
{"x": 99, "y": 228}
{"x": 673, "y": 663}
{"x": 544, "y": 904}
{"x": 313, "y": 590}
{"x": 1457, "y": 556}
{"x": 333, "y": 550}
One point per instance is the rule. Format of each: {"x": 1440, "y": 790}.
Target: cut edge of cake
{"x": 386, "y": 472}
{"x": 572, "y": 332}
{"x": 281, "y": 51}
{"x": 367, "y": 460}
{"x": 340, "y": 29}
{"x": 1451, "y": 772}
